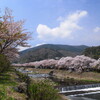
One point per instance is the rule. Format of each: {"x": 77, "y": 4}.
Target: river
{"x": 86, "y": 96}
{"x": 76, "y": 92}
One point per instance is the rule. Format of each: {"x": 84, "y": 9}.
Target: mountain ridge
{"x": 49, "y": 51}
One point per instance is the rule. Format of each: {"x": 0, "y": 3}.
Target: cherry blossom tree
{"x": 78, "y": 64}
{"x": 96, "y": 64}
{"x": 12, "y": 34}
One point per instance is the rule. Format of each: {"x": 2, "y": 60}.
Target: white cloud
{"x": 39, "y": 44}
{"x": 97, "y": 29}
{"x": 22, "y": 48}
{"x": 65, "y": 28}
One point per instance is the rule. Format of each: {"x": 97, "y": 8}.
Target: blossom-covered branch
{"x": 12, "y": 34}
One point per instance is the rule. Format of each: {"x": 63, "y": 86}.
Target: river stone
{"x": 22, "y": 88}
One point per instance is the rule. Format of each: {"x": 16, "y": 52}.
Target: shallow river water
{"x": 90, "y": 96}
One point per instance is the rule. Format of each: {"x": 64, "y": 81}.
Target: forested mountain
{"x": 93, "y": 52}
{"x": 49, "y": 51}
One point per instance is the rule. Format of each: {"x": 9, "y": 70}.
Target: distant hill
{"x": 93, "y": 52}
{"x": 49, "y": 51}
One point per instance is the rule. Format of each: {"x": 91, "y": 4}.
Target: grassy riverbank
{"x": 11, "y": 80}
{"x": 8, "y": 80}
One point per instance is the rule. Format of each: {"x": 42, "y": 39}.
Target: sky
{"x": 67, "y": 22}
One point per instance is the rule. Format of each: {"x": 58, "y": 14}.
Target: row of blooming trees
{"x": 78, "y": 63}
{"x": 12, "y": 34}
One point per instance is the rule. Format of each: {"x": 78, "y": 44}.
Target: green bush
{"x": 4, "y": 63}
{"x": 42, "y": 91}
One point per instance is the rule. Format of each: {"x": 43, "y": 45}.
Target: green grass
{"x": 3, "y": 93}
{"x": 7, "y": 82}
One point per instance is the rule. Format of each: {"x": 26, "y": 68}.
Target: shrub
{"x": 4, "y": 63}
{"x": 42, "y": 91}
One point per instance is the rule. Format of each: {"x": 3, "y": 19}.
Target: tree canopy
{"x": 12, "y": 34}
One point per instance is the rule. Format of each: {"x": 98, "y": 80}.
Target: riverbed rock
{"x": 22, "y": 88}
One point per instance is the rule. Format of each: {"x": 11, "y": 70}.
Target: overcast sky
{"x": 70, "y": 22}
